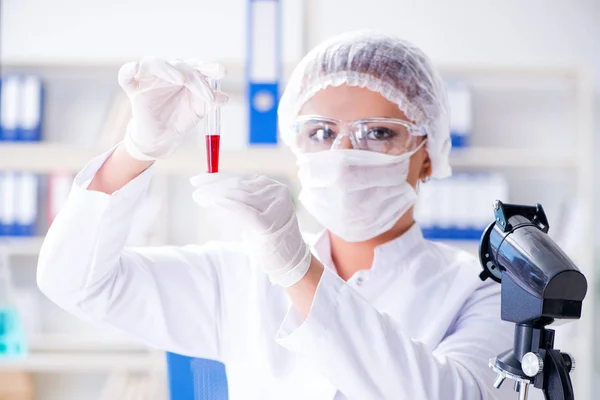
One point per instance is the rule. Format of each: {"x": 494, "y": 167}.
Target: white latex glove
{"x": 167, "y": 100}
{"x": 266, "y": 209}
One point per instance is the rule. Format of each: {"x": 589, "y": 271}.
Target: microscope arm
{"x": 559, "y": 386}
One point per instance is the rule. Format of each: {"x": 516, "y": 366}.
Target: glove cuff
{"x": 130, "y": 145}
{"x": 283, "y": 254}
{"x": 294, "y": 275}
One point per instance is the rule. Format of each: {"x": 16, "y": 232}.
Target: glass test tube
{"x": 212, "y": 131}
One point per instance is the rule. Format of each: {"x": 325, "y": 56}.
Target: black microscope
{"x": 540, "y": 283}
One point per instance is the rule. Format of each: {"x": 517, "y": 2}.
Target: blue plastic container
{"x": 13, "y": 343}
{"x": 196, "y": 379}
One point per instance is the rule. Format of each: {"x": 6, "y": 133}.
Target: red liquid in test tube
{"x": 212, "y": 132}
{"x": 212, "y": 152}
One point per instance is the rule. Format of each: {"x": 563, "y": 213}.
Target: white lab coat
{"x": 418, "y": 325}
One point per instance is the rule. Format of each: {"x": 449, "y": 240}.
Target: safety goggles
{"x": 382, "y": 135}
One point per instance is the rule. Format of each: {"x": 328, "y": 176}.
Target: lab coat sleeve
{"x": 366, "y": 355}
{"x": 167, "y": 297}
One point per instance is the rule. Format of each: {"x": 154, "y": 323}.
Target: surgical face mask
{"x": 356, "y": 194}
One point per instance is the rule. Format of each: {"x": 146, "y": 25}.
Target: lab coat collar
{"x": 322, "y": 249}
{"x": 400, "y": 248}
{"x": 386, "y": 255}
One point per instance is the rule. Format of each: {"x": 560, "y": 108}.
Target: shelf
{"x": 51, "y": 157}
{"x": 82, "y": 363}
{"x": 237, "y": 67}
{"x": 523, "y": 71}
{"x": 499, "y": 157}
{"x": 22, "y": 246}
{"x": 74, "y": 343}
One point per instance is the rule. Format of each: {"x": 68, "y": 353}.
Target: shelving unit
{"x": 86, "y": 363}
{"x": 22, "y": 246}
{"x": 69, "y": 343}
{"x": 61, "y": 353}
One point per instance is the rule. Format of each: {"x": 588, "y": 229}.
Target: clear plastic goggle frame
{"x": 383, "y": 135}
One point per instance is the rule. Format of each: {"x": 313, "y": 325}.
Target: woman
{"x": 366, "y": 310}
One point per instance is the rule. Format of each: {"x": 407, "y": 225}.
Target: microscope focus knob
{"x": 532, "y": 364}
{"x": 569, "y": 360}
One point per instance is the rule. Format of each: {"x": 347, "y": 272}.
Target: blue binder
{"x": 461, "y": 121}
{"x": 263, "y": 69}
{"x": 26, "y": 204}
{"x": 30, "y": 112}
{"x": 3, "y": 219}
{"x": 9, "y": 107}
{"x": 8, "y": 182}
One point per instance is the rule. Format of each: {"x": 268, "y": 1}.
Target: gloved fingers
{"x": 277, "y": 204}
{"x": 210, "y": 188}
{"x": 195, "y": 82}
{"x": 265, "y": 182}
{"x": 211, "y": 70}
{"x": 217, "y": 195}
{"x": 260, "y": 194}
{"x": 248, "y": 214}
{"x": 261, "y": 186}
{"x": 206, "y": 179}
{"x": 212, "y": 195}
{"x": 205, "y": 198}
{"x": 256, "y": 191}
{"x": 259, "y": 190}
{"x": 126, "y": 77}
{"x": 220, "y": 98}
{"x": 152, "y": 67}
{"x": 267, "y": 201}
{"x": 236, "y": 188}
{"x": 255, "y": 181}
{"x": 225, "y": 198}
{"x": 201, "y": 106}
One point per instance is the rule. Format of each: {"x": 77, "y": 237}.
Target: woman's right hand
{"x": 167, "y": 100}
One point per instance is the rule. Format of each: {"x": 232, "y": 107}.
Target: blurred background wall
{"x": 532, "y": 70}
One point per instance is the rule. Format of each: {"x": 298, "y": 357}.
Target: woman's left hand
{"x": 265, "y": 207}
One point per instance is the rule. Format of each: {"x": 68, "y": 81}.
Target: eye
{"x": 321, "y": 133}
{"x": 380, "y": 133}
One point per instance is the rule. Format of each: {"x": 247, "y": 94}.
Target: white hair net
{"x": 394, "y": 68}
